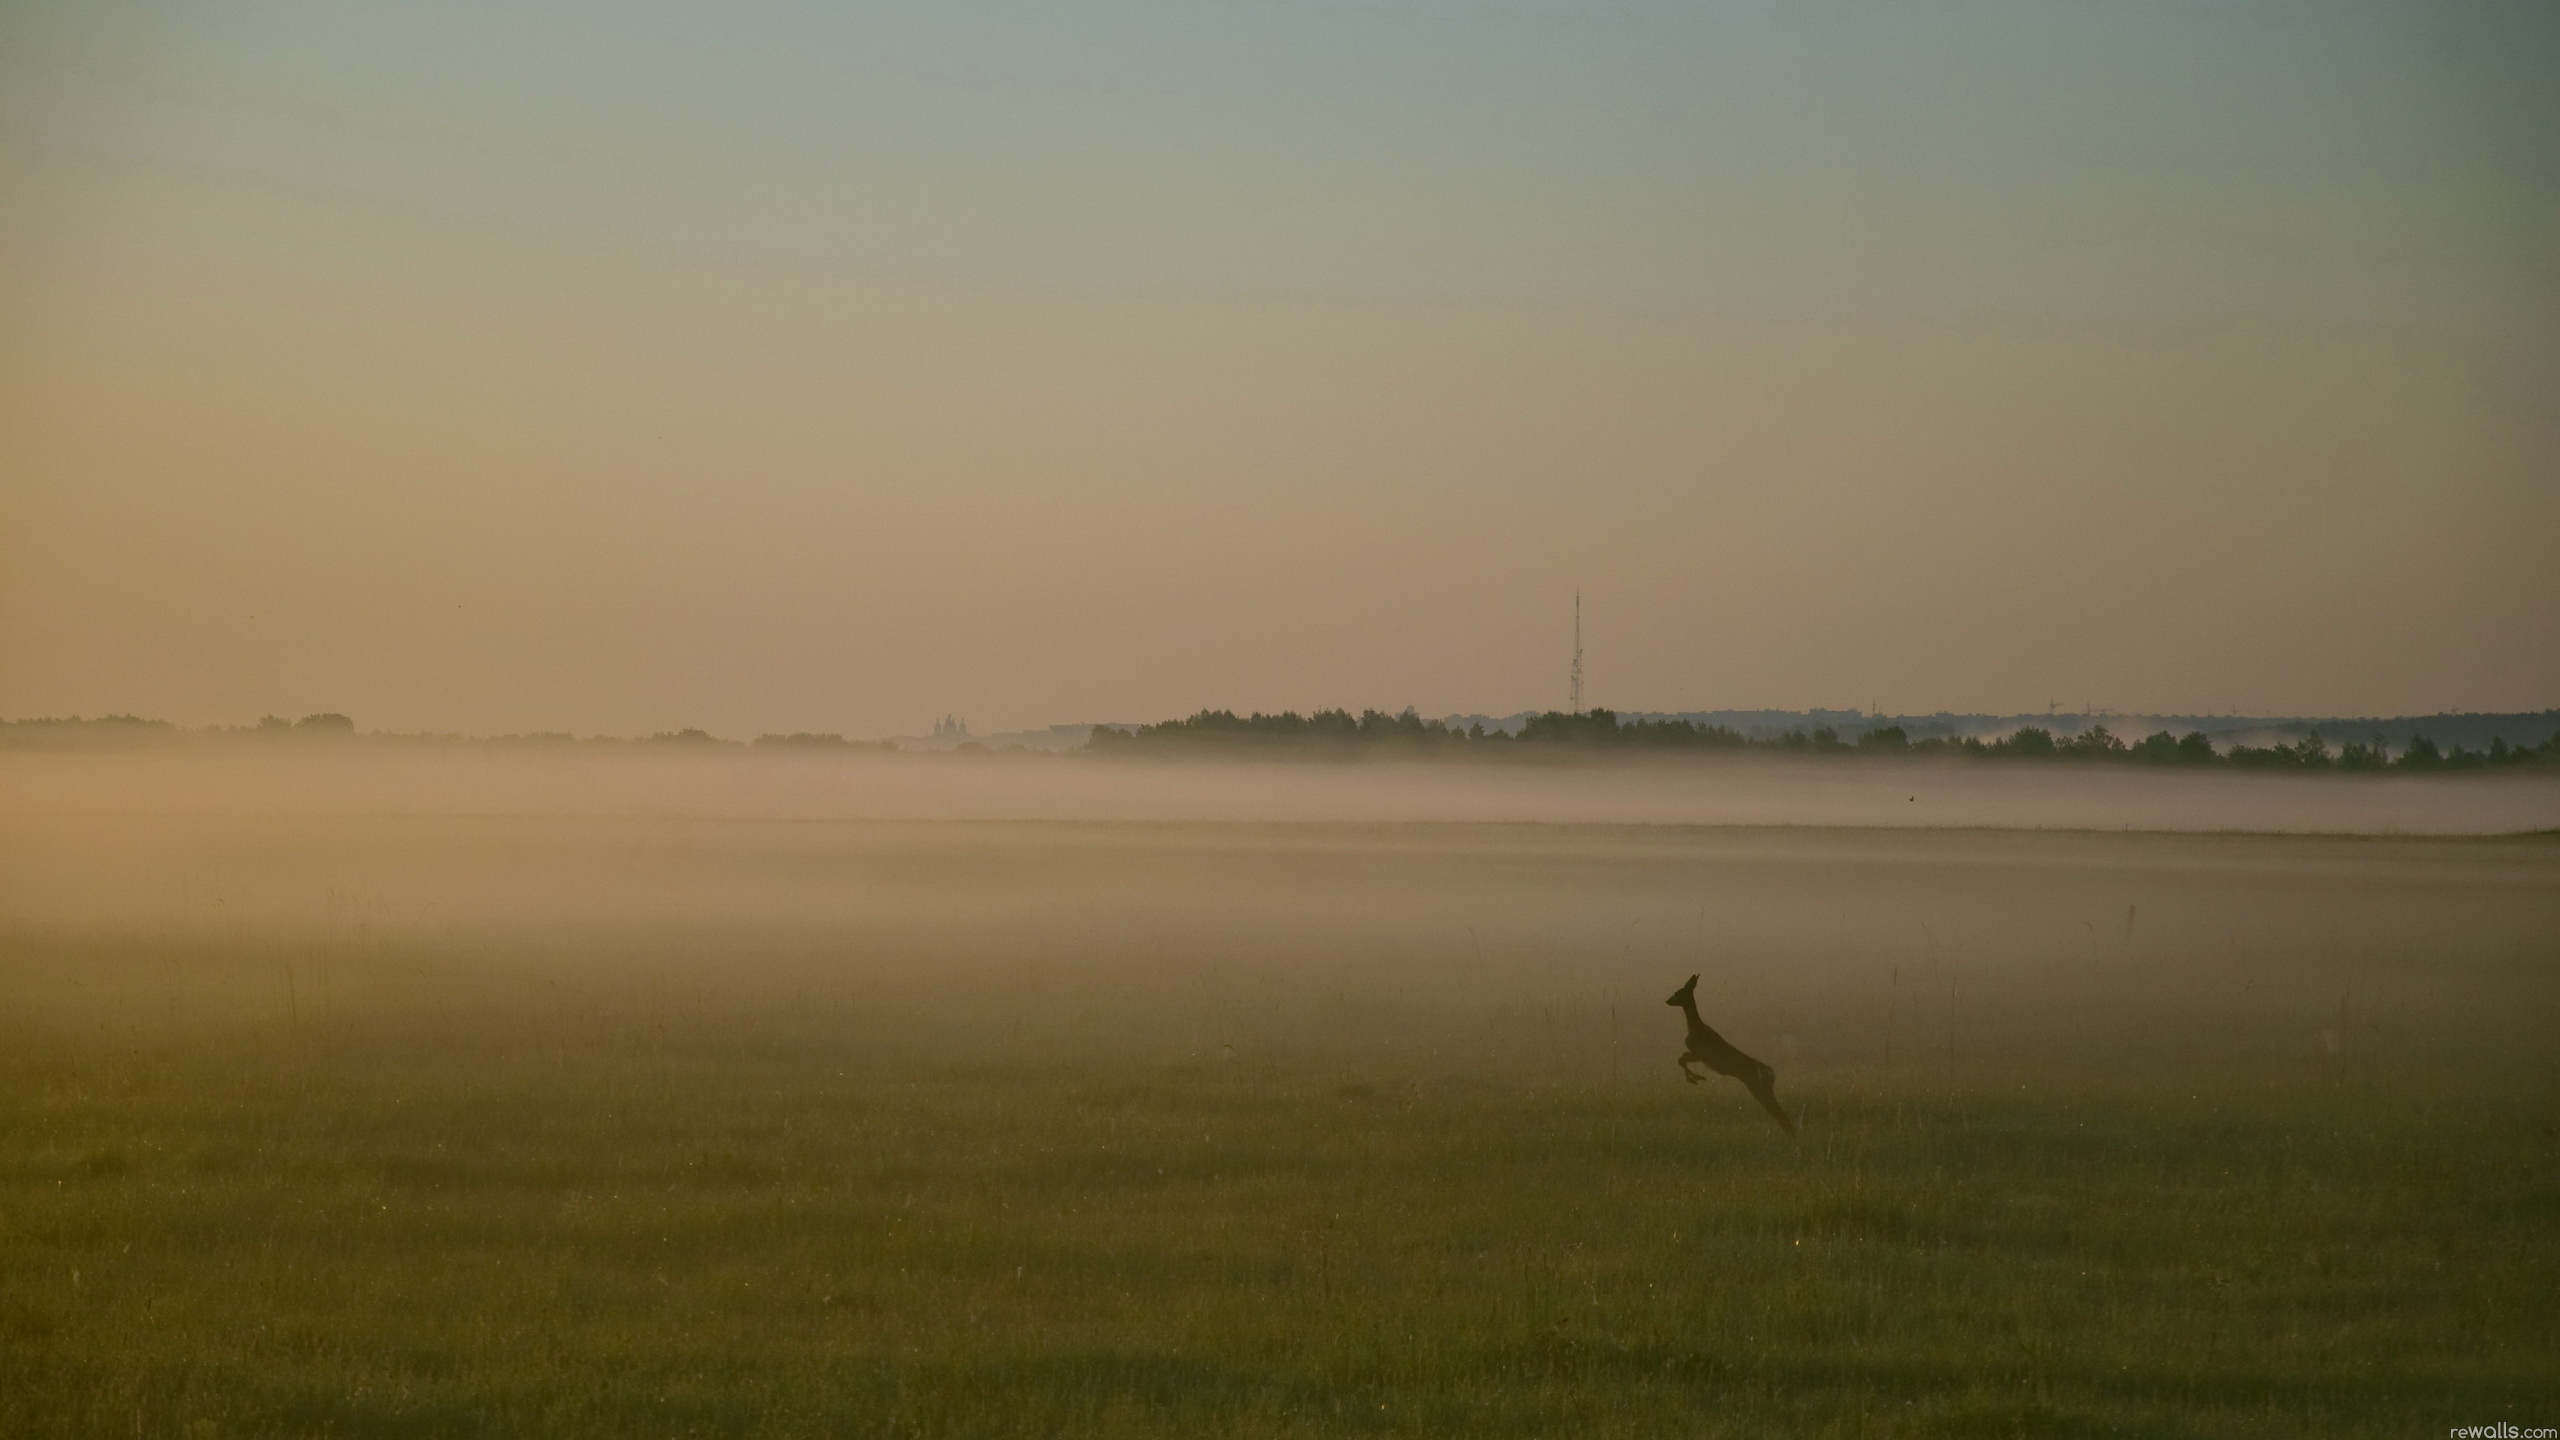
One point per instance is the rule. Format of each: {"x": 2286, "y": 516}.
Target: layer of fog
{"x": 37, "y": 789}
{"x": 1065, "y": 910}
{"x": 1444, "y": 949}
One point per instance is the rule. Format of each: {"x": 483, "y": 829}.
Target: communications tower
{"x": 1573, "y": 688}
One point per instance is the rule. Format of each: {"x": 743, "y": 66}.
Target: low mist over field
{"x": 1181, "y": 886}
{"x": 79, "y": 790}
{"x": 1219, "y": 938}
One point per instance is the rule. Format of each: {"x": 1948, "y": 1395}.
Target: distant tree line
{"x": 1594, "y": 731}
{"x": 1405, "y": 732}
{"x": 75, "y": 723}
{"x": 330, "y": 723}
{"x": 110, "y": 728}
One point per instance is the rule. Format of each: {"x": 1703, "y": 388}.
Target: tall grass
{"x": 766, "y": 1239}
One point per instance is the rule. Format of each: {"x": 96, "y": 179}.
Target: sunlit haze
{"x": 553, "y": 366}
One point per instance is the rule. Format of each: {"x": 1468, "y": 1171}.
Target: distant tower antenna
{"x": 1574, "y": 689}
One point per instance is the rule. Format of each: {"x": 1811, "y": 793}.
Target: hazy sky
{"x": 768, "y": 366}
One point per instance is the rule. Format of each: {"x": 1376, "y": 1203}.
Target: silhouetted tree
{"x": 2421, "y": 754}
{"x": 2094, "y": 743}
{"x": 2030, "y": 740}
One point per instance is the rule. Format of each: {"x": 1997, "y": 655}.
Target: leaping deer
{"x": 1712, "y": 1050}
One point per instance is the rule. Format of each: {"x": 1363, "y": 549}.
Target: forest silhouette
{"x": 1604, "y": 731}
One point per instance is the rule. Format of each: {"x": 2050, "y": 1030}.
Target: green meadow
{"x": 733, "y": 1129}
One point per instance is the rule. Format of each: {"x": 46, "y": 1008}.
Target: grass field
{"x": 802, "y": 1130}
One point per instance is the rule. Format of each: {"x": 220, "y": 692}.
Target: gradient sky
{"x": 766, "y": 366}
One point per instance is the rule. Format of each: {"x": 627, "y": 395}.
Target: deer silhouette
{"x": 1712, "y": 1050}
